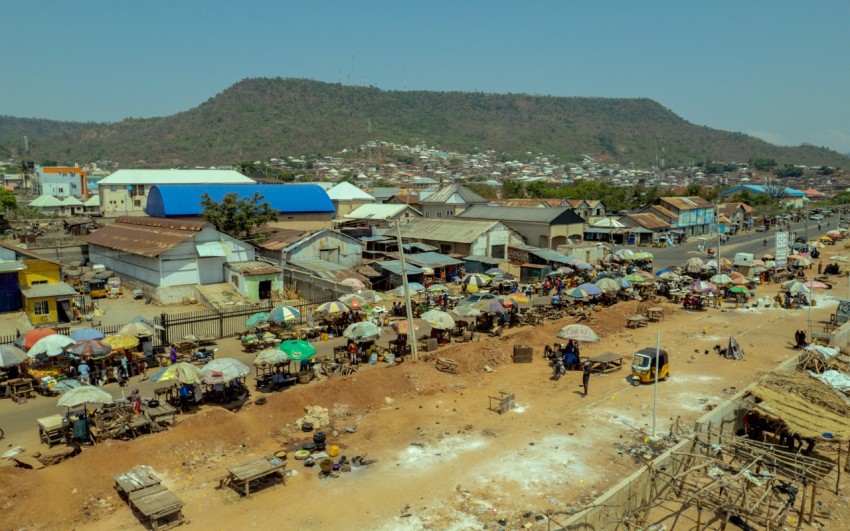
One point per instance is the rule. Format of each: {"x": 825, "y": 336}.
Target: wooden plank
{"x": 157, "y": 503}
{"x": 28, "y": 462}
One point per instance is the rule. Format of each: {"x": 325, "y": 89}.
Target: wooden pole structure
{"x": 812, "y": 506}
{"x": 838, "y": 469}
{"x": 802, "y": 506}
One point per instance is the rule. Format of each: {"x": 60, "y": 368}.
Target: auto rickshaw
{"x": 644, "y": 362}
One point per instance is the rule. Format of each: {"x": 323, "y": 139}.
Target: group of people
{"x": 570, "y": 356}
{"x": 99, "y": 372}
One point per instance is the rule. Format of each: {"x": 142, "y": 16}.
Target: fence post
{"x": 163, "y": 334}
{"x": 220, "y": 324}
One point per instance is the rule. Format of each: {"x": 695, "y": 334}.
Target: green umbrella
{"x": 256, "y": 319}
{"x": 298, "y": 349}
{"x": 738, "y": 289}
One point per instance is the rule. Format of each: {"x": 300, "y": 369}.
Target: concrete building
{"x": 256, "y": 281}
{"x": 125, "y": 192}
{"x": 33, "y": 283}
{"x": 165, "y": 252}
{"x": 299, "y": 246}
{"x": 542, "y": 227}
{"x": 62, "y": 182}
{"x": 690, "y": 215}
{"x": 346, "y": 198}
{"x": 381, "y": 215}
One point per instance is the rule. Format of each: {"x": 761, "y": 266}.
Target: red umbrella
{"x": 29, "y": 339}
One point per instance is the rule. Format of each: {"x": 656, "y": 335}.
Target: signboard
{"x": 721, "y": 228}
{"x": 781, "y": 250}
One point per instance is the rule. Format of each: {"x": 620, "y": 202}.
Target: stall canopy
{"x": 807, "y": 407}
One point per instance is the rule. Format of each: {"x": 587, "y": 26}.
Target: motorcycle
{"x": 711, "y": 252}
{"x": 202, "y": 356}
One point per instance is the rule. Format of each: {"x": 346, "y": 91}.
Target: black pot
{"x": 319, "y": 437}
{"x": 307, "y": 426}
{"x": 153, "y": 403}
{"x": 308, "y": 446}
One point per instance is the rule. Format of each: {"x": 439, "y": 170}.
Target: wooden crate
{"x": 523, "y": 354}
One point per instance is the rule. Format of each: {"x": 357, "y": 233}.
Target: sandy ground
{"x": 444, "y": 460}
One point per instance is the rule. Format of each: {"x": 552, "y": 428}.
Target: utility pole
{"x": 411, "y": 332}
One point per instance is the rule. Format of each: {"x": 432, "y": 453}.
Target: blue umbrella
{"x": 591, "y": 289}
{"x": 625, "y": 284}
{"x": 87, "y": 334}
{"x": 659, "y": 273}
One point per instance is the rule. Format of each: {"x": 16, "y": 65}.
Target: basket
{"x": 304, "y": 377}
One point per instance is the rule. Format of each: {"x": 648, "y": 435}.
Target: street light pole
{"x": 411, "y": 333}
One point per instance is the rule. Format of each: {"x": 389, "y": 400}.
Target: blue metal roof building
{"x": 761, "y": 189}
{"x": 184, "y": 200}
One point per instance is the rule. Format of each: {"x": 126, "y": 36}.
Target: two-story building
{"x": 34, "y": 283}
{"x": 449, "y": 201}
{"x": 541, "y": 227}
{"x": 62, "y": 182}
{"x": 691, "y": 216}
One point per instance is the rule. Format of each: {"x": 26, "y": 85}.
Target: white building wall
{"x": 117, "y": 200}
{"x": 498, "y": 235}
{"x": 350, "y": 253}
{"x": 131, "y": 265}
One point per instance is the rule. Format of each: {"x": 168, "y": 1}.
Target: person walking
{"x": 172, "y": 354}
{"x": 83, "y": 371}
{"x": 585, "y": 376}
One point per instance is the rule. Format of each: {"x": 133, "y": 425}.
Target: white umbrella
{"x": 52, "y": 345}
{"x": 84, "y": 394}
{"x": 579, "y": 333}
{"x": 223, "y": 370}
{"x": 693, "y": 265}
{"x": 438, "y": 319}
{"x": 11, "y": 356}
{"x": 466, "y": 311}
{"x": 362, "y": 330}
{"x": 721, "y": 280}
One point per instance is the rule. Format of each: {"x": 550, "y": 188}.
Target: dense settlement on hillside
{"x": 145, "y": 226}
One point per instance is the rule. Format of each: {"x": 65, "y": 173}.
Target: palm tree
{"x": 245, "y": 167}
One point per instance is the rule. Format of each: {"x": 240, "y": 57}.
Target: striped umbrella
{"x": 181, "y": 371}
{"x": 721, "y": 280}
{"x": 355, "y": 302}
{"x": 434, "y": 288}
{"x": 362, "y": 330}
{"x": 577, "y": 293}
{"x": 28, "y": 339}
{"x": 91, "y": 348}
{"x": 332, "y": 307}
{"x": 476, "y": 279}
{"x": 353, "y": 283}
{"x": 489, "y": 306}
{"x": 284, "y": 314}
{"x": 796, "y": 287}
{"x": 608, "y": 285}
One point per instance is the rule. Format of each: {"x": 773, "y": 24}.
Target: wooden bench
{"x": 241, "y": 476}
{"x": 446, "y": 365}
{"x": 144, "y": 492}
{"x": 636, "y": 321}
{"x": 503, "y": 403}
{"x": 605, "y": 363}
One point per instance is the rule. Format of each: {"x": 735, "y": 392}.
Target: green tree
{"x": 7, "y": 200}
{"x": 763, "y": 164}
{"x": 235, "y": 216}
{"x": 245, "y": 167}
{"x": 826, "y": 170}
{"x": 484, "y": 190}
{"x": 382, "y": 183}
{"x": 511, "y": 188}
{"x": 789, "y": 170}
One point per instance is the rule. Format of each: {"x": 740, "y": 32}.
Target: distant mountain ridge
{"x": 259, "y": 118}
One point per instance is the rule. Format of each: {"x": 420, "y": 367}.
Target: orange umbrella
{"x": 30, "y": 338}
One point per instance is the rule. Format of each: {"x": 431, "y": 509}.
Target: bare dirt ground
{"x": 444, "y": 461}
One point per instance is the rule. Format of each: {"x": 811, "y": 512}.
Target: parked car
{"x": 816, "y": 217}
{"x": 761, "y": 228}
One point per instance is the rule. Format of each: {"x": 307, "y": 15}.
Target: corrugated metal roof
{"x": 454, "y": 194}
{"x": 394, "y": 266}
{"x": 8, "y": 267}
{"x": 345, "y": 191}
{"x": 431, "y": 259}
{"x": 484, "y": 259}
{"x": 175, "y": 177}
{"x": 648, "y": 220}
{"x": 48, "y": 290}
{"x": 144, "y": 236}
{"x": 185, "y": 199}
{"x": 664, "y": 212}
{"x": 466, "y": 231}
{"x": 325, "y": 269}
{"x": 282, "y": 238}
{"x": 524, "y": 214}
{"x": 377, "y": 211}
{"x": 423, "y": 247}
{"x": 687, "y": 203}
{"x": 207, "y": 249}
{"x": 253, "y": 267}
{"x": 546, "y": 254}
{"x": 46, "y": 201}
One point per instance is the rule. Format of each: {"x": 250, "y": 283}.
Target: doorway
{"x": 265, "y": 290}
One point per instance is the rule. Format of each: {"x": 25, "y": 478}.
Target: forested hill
{"x": 260, "y": 118}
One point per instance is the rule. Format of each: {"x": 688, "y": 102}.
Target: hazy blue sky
{"x": 776, "y": 69}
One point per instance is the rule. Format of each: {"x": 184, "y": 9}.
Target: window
{"x": 439, "y": 214}
{"x": 35, "y": 282}
{"x": 445, "y": 248}
{"x": 427, "y": 214}
{"x": 41, "y": 308}
{"x": 497, "y": 251}
{"x": 137, "y": 202}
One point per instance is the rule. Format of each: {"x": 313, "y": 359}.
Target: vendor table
{"x": 605, "y": 363}
{"x": 164, "y": 412}
{"x": 143, "y": 490}
{"x": 20, "y": 387}
{"x": 52, "y": 430}
{"x": 636, "y": 321}
{"x": 655, "y": 313}
{"x": 242, "y": 475}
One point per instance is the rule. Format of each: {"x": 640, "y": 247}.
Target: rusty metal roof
{"x": 253, "y": 267}
{"x": 144, "y": 236}
{"x": 281, "y": 238}
{"x": 648, "y": 220}
{"x": 687, "y": 203}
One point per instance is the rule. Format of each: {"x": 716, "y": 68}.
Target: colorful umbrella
{"x": 489, "y": 306}
{"x": 28, "y": 339}
{"x": 512, "y": 301}
{"x": 803, "y": 262}
{"x": 355, "y": 302}
{"x": 138, "y": 329}
{"x": 353, "y": 283}
{"x": 738, "y": 289}
{"x": 624, "y": 284}
{"x": 371, "y": 295}
{"x": 257, "y": 318}
{"x": 578, "y": 332}
{"x": 86, "y": 334}
{"x": 608, "y": 285}
{"x": 434, "y": 288}
{"x": 796, "y": 287}
{"x": 332, "y": 307}
{"x": 625, "y": 254}
{"x": 582, "y": 266}
{"x": 693, "y": 265}
{"x": 404, "y": 327}
{"x": 284, "y": 314}
{"x": 182, "y": 372}
{"x": 577, "y": 293}
{"x": 634, "y": 278}
{"x": 494, "y": 272}
{"x": 91, "y": 348}
{"x": 223, "y": 370}
{"x": 297, "y": 349}
{"x": 671, "y": 276}
{"x": 362, "y": 330}
{"x": 438, "y": 319}
{"x": 701, "y": 286}
{"x": 120, "y": 341}
{"x": 51, "y": 345}
{"x": 11, "y": 356}
{"x": 767, "y": 256}
{"x": 591, "y": 289}
{"x": 834, "y": 234}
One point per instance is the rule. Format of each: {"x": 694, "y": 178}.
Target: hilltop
{"x": 260, "y": 118}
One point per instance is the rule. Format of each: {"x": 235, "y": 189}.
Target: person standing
{"x": 172, "y": 354}
{"x": 83, "y": 371}
{"x": 585, "y": 376}
{"x": 185, "y": 389}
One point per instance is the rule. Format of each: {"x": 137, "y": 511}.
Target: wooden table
{"x": 605, "y": 363}
{"x": 655, "y": 314}
{"x": 20, "y": 387}
{"x": 636, "y": 321}
{"x": 52, "y": 429}
{"x": 164, "y": 412}
{"x": 139, "y": 478}
{"x": 241, "y": 476}
{"x": 144, "y": 491}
